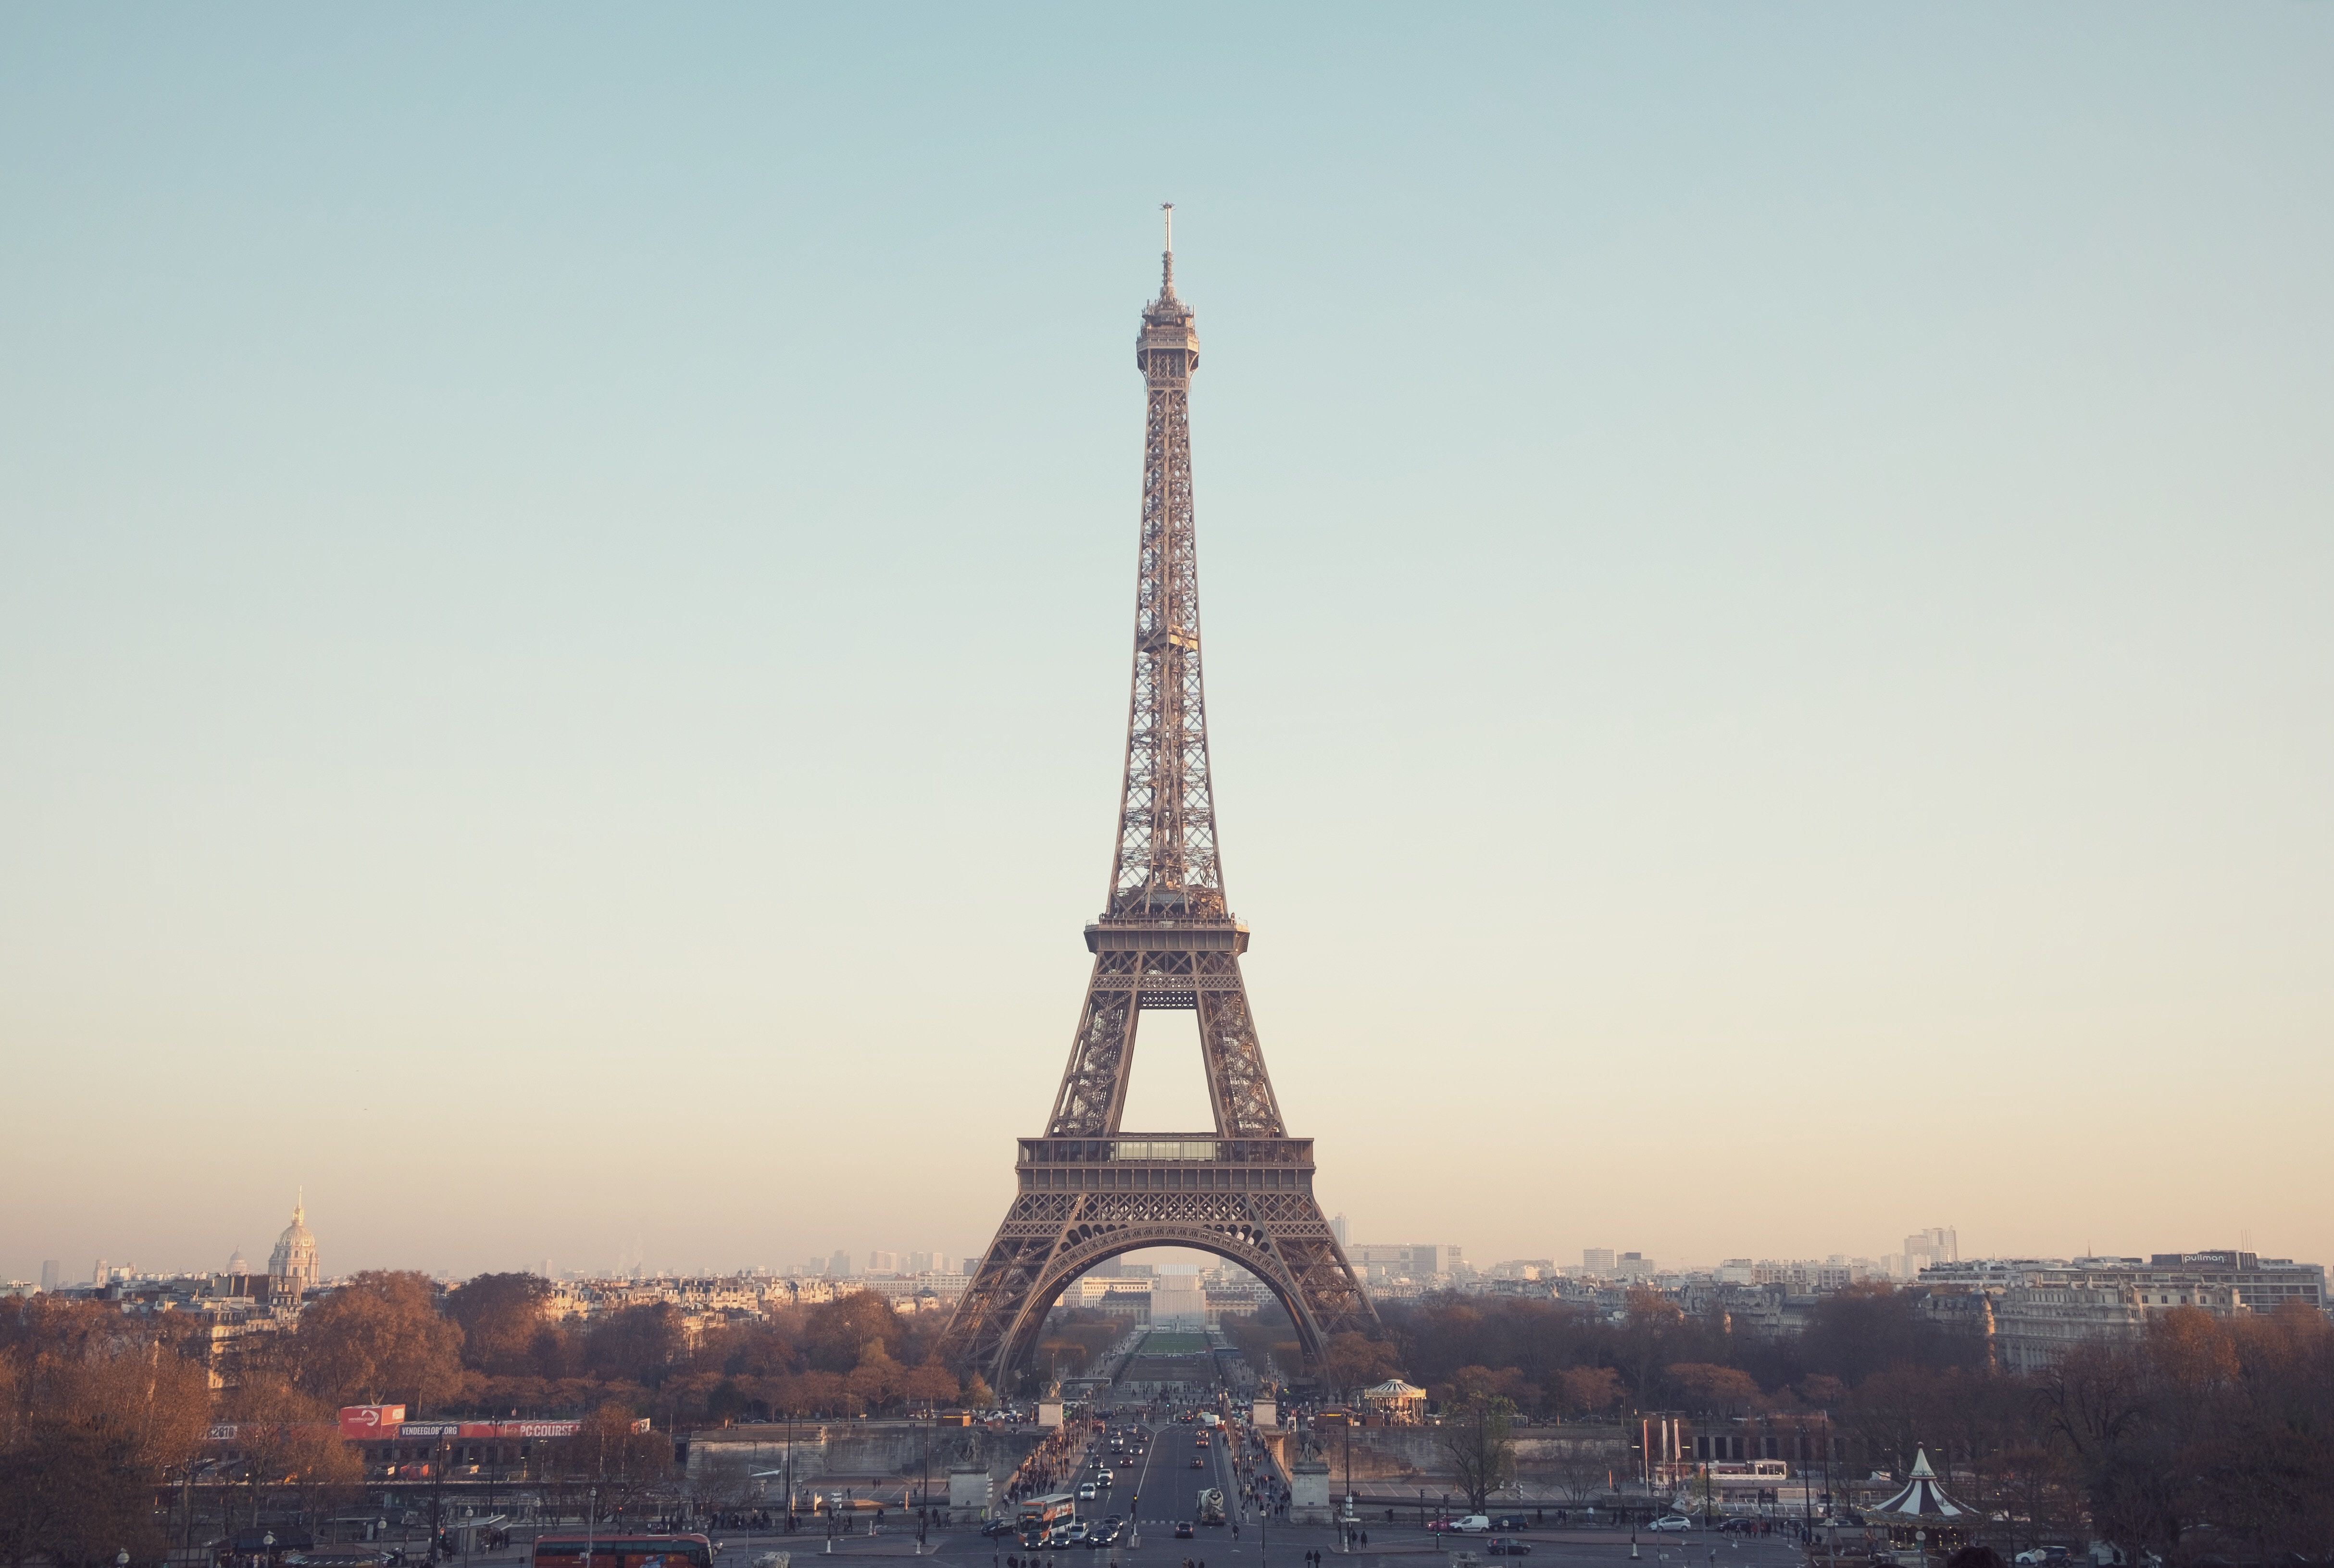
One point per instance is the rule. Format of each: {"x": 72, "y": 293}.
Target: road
{"x": 1169, "y": 1489}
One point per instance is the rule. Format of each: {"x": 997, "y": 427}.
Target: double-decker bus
{"x": 1044, "y": 1513}
{"x": 619, "y": 1549}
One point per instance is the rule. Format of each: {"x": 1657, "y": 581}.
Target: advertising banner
{"x": 360, "y": 1421}
{"x": 479, "y": 1431}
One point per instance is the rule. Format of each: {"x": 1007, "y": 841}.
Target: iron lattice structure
{"x": 1087, "y": 1192}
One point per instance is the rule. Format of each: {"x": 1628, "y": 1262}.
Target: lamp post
{"x": 590, "y": 1522}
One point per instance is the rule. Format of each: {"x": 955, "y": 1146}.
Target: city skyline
{"x": 1766, "y": 590}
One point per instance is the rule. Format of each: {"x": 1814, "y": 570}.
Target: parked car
{"x": 1471, "y": 1523}
{"x": 1503, "y": 1547}
{"x": 2040, "y": 1556}
{"x": 1510, "y": 1522}
{"x": 1671, "y": 1522}
{"x": 1738, "y": 1526}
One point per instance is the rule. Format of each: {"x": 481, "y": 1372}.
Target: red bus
{"x": 620, "y": 1549}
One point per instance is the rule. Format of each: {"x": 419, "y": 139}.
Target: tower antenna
{"x": 1167, "y": 256}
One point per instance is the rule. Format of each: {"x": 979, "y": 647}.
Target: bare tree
{"x": 1476, "y": 1439}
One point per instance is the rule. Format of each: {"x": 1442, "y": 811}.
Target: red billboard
{"x": 362, "y": 1421}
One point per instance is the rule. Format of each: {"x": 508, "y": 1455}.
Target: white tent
{"x": 1922, "y": 1499}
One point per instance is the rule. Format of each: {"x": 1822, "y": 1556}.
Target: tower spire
{"x": 1167, "y": 256}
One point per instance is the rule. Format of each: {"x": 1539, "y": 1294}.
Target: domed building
{"x": 235, "y": 1266}
{"x": 294, "y": 1262}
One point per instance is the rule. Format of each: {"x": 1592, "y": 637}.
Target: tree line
{"x": 97, "y": 1411}
{"x": 2209, "y": 1438}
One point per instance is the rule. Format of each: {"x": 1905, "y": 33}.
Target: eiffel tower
{"x": 1086, "y": 1190}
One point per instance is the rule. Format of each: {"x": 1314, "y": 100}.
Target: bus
{"x": 1045, "y": 1512}
{"x": 620, "y": 1549}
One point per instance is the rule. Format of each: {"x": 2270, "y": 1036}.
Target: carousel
{"x": 1923, "y": 1516}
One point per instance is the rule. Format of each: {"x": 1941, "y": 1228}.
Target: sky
{"x": 566, "y": 578}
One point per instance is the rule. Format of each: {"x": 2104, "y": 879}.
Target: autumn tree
{"x": 91, "y": 1417}
{"x": 379, "y": 1339}
{"x": 616, "y": 1451}
{"x": 1712, "y": 1390}
{"x": 500, "y": 1316}
{"x": 289, "y": 1438}
{"x": 1352, "y": 1361}
{"x": 1589, "y": 1390}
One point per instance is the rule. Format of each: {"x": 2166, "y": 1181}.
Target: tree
{"x": 1352, "y": 1361}
{"x": 977, "y": 1395}
{"x": 1476, "y": 1439}
{"x": 290, "y": 1437}
{"x": 500, "y": 1314}
{"x": 379, "y": 1339}
{"x": 616, "y": 1451}
{"x": 1589, "y": 1389}
{"x": 92, "y": 1416}
{"x": 1714, "y": 1390}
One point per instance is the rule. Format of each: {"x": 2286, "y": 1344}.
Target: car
{"x": 1086, "y": 1492}
{"x": 1510, "y": 1522}
{"x": 1075, "y": 1534}
{"x": 1106, "y": 1478}
{"x": 2042, "y": 1556}
{"x": 1502, "y": 1547}
{"x": 1198, "y": 1464}
{"x": 1182, "y": 1529}
{"x": 1671, "y": 1522}
{"x": 997, "y": 1527}
{"x": 1738, "y": 1526}
{"x": 1471, "y": 1523}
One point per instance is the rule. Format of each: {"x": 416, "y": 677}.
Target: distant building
{"x": 838, "y": 1267}
{"x": 2037, "y": 1310}
{"x": 1598, "y": 1260}
{"x": 1924, "y": 1248}
{"x": 1338, "y": 1229}
{"x": 293, "y": 1261}
{"x": 1179, "y": 1300}
{"x": 51, "y": 1274}
{"x": 1421, "y": 1263}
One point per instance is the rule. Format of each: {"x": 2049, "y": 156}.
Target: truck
{"x": 1211, "y": 1506}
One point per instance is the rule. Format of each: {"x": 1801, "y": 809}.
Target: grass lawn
{"x": 1162, "y": 1344}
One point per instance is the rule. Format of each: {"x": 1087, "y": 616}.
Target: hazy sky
{"x": 566, "y": 576}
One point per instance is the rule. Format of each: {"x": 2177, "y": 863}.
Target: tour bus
{"x": 620, "y": 1549}
{"x": 1044, "y": 1513}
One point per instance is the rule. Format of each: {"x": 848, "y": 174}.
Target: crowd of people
{"x": 1056, "y": 1460}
